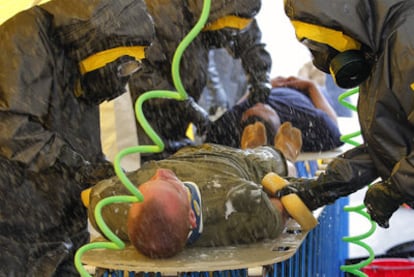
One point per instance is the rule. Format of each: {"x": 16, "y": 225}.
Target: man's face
{"x": 159, "y": 225}
{"x": 165, "y": 183}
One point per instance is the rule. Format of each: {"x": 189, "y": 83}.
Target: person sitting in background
{"x": 291, "y": 100}
{"x": 228, "y": 205}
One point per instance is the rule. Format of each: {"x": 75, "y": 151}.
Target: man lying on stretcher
{"x": 209, "y": 195}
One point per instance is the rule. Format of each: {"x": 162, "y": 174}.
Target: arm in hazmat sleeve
{"x": 344, "y": 175}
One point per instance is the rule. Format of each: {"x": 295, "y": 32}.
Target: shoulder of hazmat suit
{"x": 235, "y": 209}
{"x": 231, "y": 25}
{"x": 50, "y": 141}
{"x": 380, "y": 32}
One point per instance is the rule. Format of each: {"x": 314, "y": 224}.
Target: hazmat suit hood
{"x": 365, "y": 21}
{"x": 111, "y": 46}
{"x": 85, "y": 29}
{"x": 361, "y": 25}
{"x": 90, "y": 27}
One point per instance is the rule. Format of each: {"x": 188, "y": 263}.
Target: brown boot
{"x": 289, "y": 141}
{"x": 254, "y": 135}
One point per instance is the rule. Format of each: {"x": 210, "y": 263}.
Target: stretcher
{"x": 204, "y": 259}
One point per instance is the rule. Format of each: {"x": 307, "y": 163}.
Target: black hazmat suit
{"x": 173, "y": 21}
{"x": 50, "y": 147}
{"x": 385, "y": 104}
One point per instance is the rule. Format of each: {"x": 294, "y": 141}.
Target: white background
{"x": 288, "y": 54}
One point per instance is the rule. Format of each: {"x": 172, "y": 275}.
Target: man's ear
{"x": 192, "y": 219}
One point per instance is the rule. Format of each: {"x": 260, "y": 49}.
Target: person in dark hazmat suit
{"x": 231, "y": 25}
{"x": 370, "y": 44}
{"x": 58, "y": 61}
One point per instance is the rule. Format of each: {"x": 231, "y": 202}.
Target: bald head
{"x": 158, "y": 227}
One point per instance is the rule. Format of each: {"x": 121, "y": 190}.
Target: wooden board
{"x": 203, "y": 259}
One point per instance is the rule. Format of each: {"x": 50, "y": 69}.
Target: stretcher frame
{"x": 200, "y": 259}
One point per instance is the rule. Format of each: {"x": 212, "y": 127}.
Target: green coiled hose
{"x": 357, "y": 240}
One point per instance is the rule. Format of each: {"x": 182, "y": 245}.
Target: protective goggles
{"x": 102, "y": 58}
{"x": 324, "y": 36}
